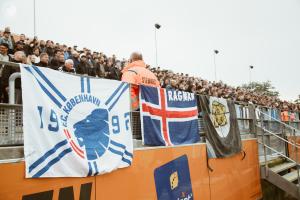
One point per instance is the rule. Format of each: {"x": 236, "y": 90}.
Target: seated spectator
{"x": 67, "y": 67}
{"x": 19, "y": 57}
{"x": 44, "y": 60}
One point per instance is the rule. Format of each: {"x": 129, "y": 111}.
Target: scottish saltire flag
{"x": 168, "y": 117}
{"x": 74, "y": 126}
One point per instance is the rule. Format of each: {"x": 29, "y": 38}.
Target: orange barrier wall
{"x": 232, "y": 178}
{"x": 236, "y": 178}
{"x": 291, "y": 149}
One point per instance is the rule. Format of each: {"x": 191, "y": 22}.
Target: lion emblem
{"x": 93, "y": 133}
{"x": 218, "y": 114}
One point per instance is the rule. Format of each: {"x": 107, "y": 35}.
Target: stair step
{"x": 282, "y": 167}
{"x": 292, "y": 176}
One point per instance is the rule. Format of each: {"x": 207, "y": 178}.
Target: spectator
{"x": 4, "y": 52}
{"x": 136, "y": 73}
{"x": 58, "y": 60}
{"x": 19, "y": 57}
{"x": 36, "y": 55}
{"x": 50, "y": 48}
{"x": 42, "y": 46}
{"x": 7, "y": 39}
{"x": 112, "y": 71}
{"x": 44, "y": 60}
{"x": 83, "y": 66}
{"x": 19, "y": 46}
{"x": 67, "y": 67}
{"x": 3, "y": 57}
{"x": 22, "y": 38}
{"x": 100, "y": 69}
{"x": 75, "y": 58}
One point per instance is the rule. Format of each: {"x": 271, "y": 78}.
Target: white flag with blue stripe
{"x": 74, "y": 126}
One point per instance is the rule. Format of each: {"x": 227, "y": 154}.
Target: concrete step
{"x": 292, "y": 176}
{"x": 282, "y": 167}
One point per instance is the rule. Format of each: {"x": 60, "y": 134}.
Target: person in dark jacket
{"x": 83, "y": 66}
{"x": 19, "y": 57}
{"x": 44, "y": 60}
{"x": 113, "y": 71}
{"x": 57, "y": 61}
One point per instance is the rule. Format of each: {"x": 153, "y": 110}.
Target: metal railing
{"x": 293, "y": 144}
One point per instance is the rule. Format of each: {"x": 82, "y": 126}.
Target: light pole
{"x": 215, "y": 65}
{"x": 156, "y": 27}
{"x": 250, "y": 76}
{"x": 34, "y": 22}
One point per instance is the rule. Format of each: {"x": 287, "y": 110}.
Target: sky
{"x": 261, "y": 33}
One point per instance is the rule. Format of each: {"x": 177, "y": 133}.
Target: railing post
{"x": 296, "y": 159}
{"x": 11, "y": 86}
{"x": 264, "y": 145}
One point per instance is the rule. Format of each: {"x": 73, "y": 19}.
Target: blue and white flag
{"x": 168, "y": 117}
{"x": 74, "y": 126}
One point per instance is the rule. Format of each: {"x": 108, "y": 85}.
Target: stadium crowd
{"x": 21, "y": 49}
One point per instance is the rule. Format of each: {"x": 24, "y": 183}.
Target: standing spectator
{"x": 67, "y": 67}
{"x": 83, "y": 66}
{"x": 44, "y": 60}
{"x": 19, "y": 46}
{"x": 136, "y": 73}
{"x": 50, "y": 48}
{"x": 36, "y": 55}
{"x": 19, "y": 57}
{"x": 100, "y": 67}
{"x": 22, "y": 38}
{"x": 42, "y": 46}
{"x": 4, "y": 52}
{"x": 3, "y": 57}
{"x": 75, "y": 58}
{"x": 58, "y": 60}
{"x": 8, "y": 40}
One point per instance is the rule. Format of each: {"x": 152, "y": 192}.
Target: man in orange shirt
{"x": 136, "y": 73}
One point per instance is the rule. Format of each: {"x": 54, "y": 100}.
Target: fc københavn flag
{"x": 221, "y": 127}
{"x": 168, "y": 117}
{"x": 74, "y": 126}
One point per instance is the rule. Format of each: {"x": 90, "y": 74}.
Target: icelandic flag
{"x": 168, "y": 117}
{"x": 74, "y": 126}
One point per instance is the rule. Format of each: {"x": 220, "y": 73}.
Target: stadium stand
{"x": 53, "y": 55}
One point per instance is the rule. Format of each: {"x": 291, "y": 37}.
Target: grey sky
{"x": 262, "y": 33}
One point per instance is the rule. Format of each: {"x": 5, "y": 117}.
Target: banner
{"x": 74, "y": 126}
{"x": 168, "y": 117}
{"x": 221, "y": 127}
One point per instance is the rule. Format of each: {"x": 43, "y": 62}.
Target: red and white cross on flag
{"x": 169, "y": 117}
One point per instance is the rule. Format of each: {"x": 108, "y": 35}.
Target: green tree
{"x": 265, "y": 88}
{"x": 297, "y": 101}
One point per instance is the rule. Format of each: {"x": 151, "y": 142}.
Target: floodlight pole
{"x": 215, "y": 65}
{"x": 34, "y": 19}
